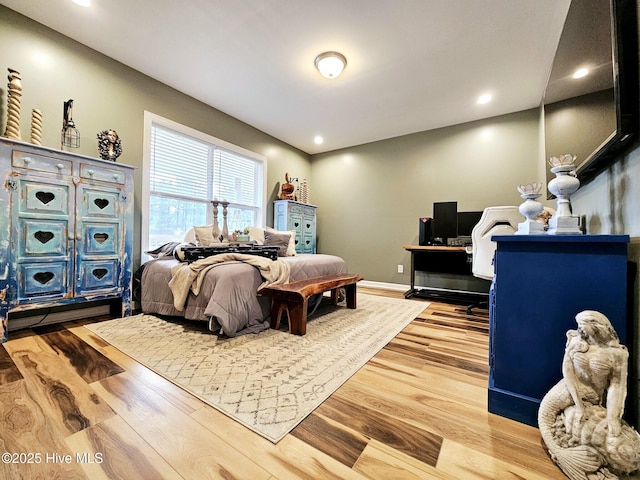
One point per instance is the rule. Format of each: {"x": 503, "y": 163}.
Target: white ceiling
{"x": 413, "y": 65}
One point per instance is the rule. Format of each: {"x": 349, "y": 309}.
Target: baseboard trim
{"x": 57, "y": 317}
{"x": 384, "y": 285}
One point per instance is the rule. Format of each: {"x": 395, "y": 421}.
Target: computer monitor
{"x": 445, "y": 220}
{"x": 466, "y": 222}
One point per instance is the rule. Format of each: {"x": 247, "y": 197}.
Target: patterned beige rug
{"x": 269, "y": 381}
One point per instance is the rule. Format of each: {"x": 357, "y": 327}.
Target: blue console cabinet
{"x": 66, "y": 230}
{"x": 541, "y": 282}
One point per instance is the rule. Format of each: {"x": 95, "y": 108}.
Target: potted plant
{"x": 242, "y": 235}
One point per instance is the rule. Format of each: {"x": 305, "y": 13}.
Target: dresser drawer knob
{"x": 59, "y": 166}
{"x": 90, "y": 173}
{"x": 27, "y": 160}
{"x": 116, "y": 177}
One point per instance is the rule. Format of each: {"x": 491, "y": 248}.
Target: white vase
{"x": 530, "y": 209}
{"x": 563, "y": 186}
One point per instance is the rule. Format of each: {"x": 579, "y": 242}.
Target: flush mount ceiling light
{"x": 330, "y": 64}
{"x": 83, "y": 3}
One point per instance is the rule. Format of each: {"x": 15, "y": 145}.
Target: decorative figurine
{"x": 109, "y": 145}
{"x": 530, "y": 209}
{"x": 216, "y": 228}
{"x": 544, "y": 217}
{"x": 563, "y": 186}
{"x": 304, "y": 191}
{"x": 580, "y": 418}
{"x": 287, "y": 191}
{"x": 225, "y": 226}
{"x": 70, "y": 136}
{"x": 14, "y": 98}
{"x": 36, "y": 127}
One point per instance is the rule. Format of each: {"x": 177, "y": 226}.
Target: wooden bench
{"x": 293, "y": 297}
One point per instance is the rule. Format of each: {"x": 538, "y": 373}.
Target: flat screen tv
{"x": 445, "y": 221}
{"x": 596, "y": 116}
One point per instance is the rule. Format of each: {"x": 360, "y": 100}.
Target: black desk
{"x": 442, "y": 259}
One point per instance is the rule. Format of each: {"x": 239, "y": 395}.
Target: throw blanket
{"x": 185, "y": 277}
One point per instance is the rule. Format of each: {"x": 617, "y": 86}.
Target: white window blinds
{"x": 186, "y": 171}
{"x": 180, "y": 166}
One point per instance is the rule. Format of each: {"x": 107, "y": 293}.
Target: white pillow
{"x": 257, "y": 234}
{"x": 291, "y": 250}
{"x": 190, "y": 236}
{"x": 278, "y": 239}
{"x": 204, "y": 235}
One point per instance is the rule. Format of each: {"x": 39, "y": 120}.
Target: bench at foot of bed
{"x": 293, "y": 297}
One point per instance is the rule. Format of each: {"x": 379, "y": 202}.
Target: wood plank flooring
{"x": 74, "y": 407}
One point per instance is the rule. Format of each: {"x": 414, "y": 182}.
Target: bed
{"x": 227, "y": 297}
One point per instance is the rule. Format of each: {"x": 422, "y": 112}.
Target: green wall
{"x": 107, "y": 94}
{"x": 370, "y": 197}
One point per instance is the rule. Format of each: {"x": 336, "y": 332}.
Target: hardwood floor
{"x": 72, "y": 406}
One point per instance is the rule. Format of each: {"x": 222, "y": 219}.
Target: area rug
{"x": 268, "y": 381}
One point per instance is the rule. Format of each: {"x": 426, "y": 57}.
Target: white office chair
{"x": 494, "y": 221}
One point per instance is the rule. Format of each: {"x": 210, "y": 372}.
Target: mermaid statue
{"x": 580, "y": 418}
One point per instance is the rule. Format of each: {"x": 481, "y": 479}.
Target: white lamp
{"x": 330, "y": 64}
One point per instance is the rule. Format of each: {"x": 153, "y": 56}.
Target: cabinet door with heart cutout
{"x": 42, "y": 224}
{"x": 99, "y": 230}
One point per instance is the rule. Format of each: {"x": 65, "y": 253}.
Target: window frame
{"x": 151, "y": 119}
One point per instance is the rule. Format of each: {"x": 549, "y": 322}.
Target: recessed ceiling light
{"x": 318, "y": 140}
{"x": 485, "y": 98}
{"x": 581, "y": 72}
{"x": 82, "y": 3}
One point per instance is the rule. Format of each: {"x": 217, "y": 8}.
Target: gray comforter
{"x": 227, "y": 296}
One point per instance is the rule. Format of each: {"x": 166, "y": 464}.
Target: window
{"x": 184, "y": 170}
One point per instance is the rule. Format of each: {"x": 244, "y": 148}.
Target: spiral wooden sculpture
{"x": 36, "y": 127}
{"x": 14, "y": 99}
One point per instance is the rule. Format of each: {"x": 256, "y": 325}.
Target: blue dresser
{"x": 541, "y": 282}
{"x": 301, "y": 217}
{"x": 66, "y": 230}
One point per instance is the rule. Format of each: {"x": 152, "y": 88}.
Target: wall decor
{"x": 109, "y": 145}
{"x": 70, "y": 136}
{"x": 14, "y": 99}
{"x": 580, "y": 418}
{"x": 36, "y": 127}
